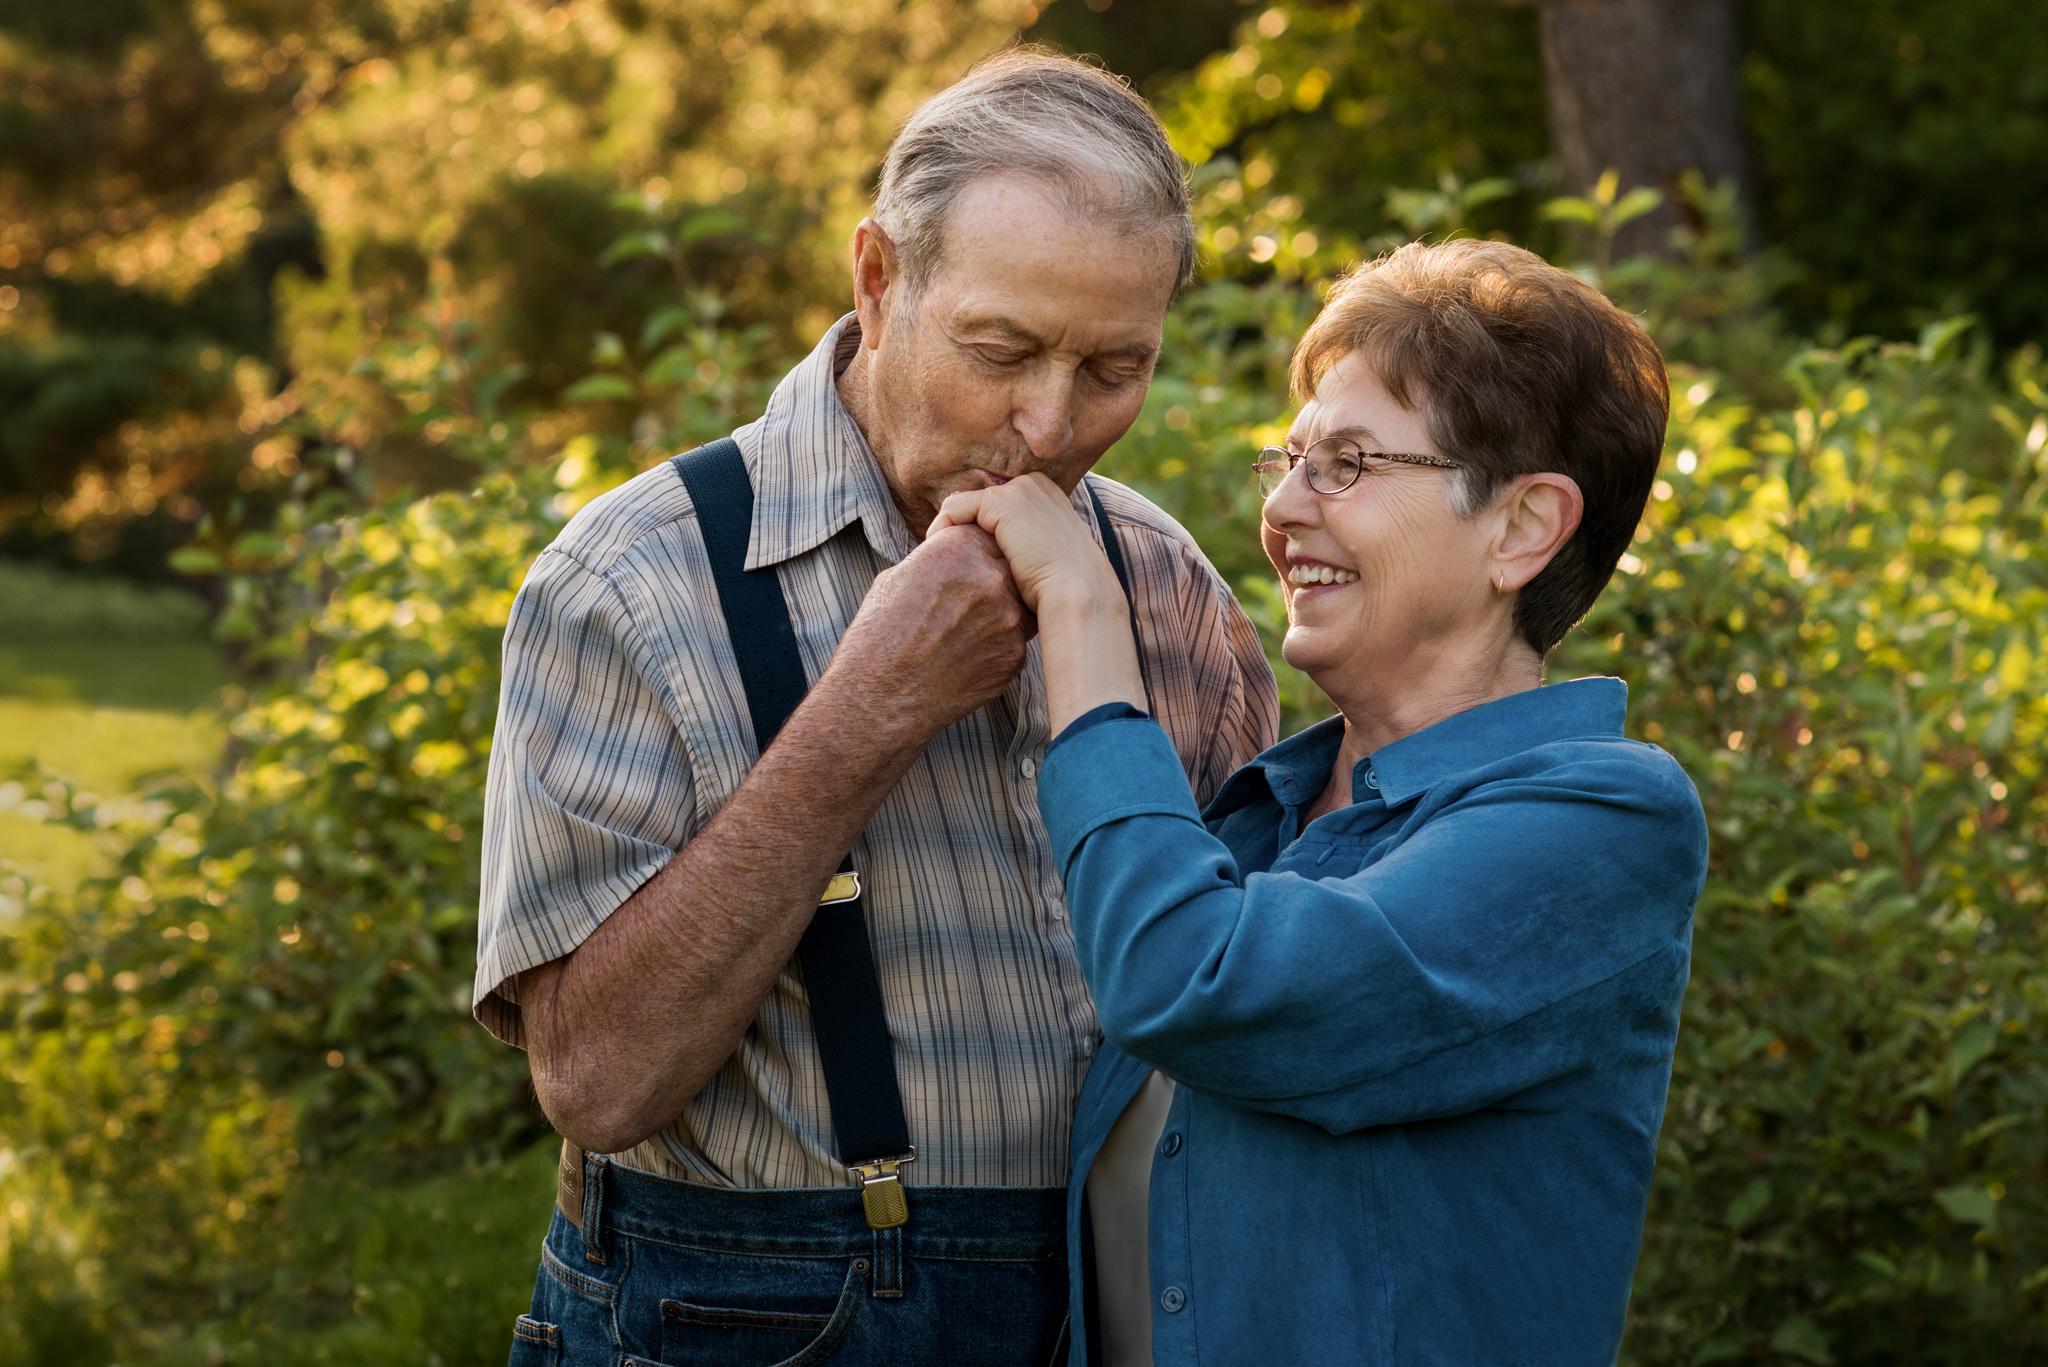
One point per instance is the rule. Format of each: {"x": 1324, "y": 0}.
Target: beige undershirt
{"x": 1119, "y": 1193}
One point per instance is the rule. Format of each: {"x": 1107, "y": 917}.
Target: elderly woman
{"x": 1393, "y": 1019}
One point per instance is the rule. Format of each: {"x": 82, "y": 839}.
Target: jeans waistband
{"x": 1007, "y": 1223}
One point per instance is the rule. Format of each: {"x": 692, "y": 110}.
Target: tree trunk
{"x": 1647, "y": 88}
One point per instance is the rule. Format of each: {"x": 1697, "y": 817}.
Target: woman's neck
{"x": 1381, "y": 710}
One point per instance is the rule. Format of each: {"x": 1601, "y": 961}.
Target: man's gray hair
{"x": 1081, "y": 131}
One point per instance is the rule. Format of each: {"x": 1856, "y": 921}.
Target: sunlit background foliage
{"x": 337, "y": 313}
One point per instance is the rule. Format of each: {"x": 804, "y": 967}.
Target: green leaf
{"x": 1801, "y": 1338}
{"x": 1972, "y": 1045}
{"x": 599, "y": 389}
{"x": 710, "y": 223}
{"x": 646, "y": 242}
{"x": 351, "y": 992}
{"x": 674, "y": 366}
{"x": 1486, "y": 191}
{"x": 1635, "y": 204}
{"x": 1993, "y": 1127}
{"x": 664, "y": 323}
{"x": 1970, "y": 1203}
{"x": 1573, "y": 208}
{"x": 1733, "y": 1344}
{"x": 1750, "y": 1204}
{"x": 195, "y": 560}
{"x": 492, "y": 386}
{"x": 1938, "y": 337}
{"x": 257, "y": 546}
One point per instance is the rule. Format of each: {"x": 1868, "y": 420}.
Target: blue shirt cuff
{"x": 1123, "y": 765}
{"x": 1094, "y": 717}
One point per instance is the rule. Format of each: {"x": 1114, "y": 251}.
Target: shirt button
{"x": 1372, "y": 780}
{"x": 1172, "y": 1299}
{"x": 1171, "y": 1144}
{"x": 1088, "y": 1048}
{"x": 1029, "y": 766}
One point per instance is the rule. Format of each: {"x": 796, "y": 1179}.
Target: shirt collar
{"x": 812, "y": 471}
{"x": 1495, "y": 730}
{"x": 1295, "y": 771}
{"x": 1292, "y": 772}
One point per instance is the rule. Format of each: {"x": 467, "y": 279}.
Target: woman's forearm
{"x": 1084, "y": 640}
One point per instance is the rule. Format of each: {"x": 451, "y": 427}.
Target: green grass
{"x": 105, "y": 683}
{"x": 426, "y": 1275}
{"x": 144, "y": 675}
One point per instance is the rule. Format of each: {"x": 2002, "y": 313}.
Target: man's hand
{"x": 1065, "y": 579}
{"x": 938, "y": 636}
{"x": 626, "y": 1029}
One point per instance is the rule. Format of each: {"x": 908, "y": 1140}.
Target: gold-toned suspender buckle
{"x": 844, "y": 887}
{"x": 881, "y": 1191}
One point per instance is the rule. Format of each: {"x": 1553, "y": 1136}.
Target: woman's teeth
{"x": 1320, "y": 574}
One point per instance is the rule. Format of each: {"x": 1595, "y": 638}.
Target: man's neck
{"x": 856, "y": 386}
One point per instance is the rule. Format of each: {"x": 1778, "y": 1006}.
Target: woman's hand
{"x": 1049, "y": 548}
{"x": 1084, "y": 621}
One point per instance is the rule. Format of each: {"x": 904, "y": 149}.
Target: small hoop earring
{"x": 1498, "y": 591}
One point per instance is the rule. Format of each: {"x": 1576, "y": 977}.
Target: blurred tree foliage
{"x": 1898, "y": 153}
{"x": 209, "y": 212}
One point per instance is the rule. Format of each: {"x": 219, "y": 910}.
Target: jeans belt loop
{"x": 594, "y": 1166}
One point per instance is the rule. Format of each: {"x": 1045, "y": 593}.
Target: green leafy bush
{"x": 1836, "y": 622}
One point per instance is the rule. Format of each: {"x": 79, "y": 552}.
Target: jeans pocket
{"x": 741, "y": 1336}
{"x": 535, "y": 1344}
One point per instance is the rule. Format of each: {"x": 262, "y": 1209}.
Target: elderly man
{"x": 818, "y": 1102}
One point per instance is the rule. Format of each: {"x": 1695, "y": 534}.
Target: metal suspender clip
{"x": 881, "y": 1192}
{"x": 844, "y": 887}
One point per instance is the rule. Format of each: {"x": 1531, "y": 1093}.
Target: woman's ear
{"x": 1539, "y": 514}
{"x": 875, "y": 279}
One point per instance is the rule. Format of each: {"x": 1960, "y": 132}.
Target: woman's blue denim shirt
{"x": 1424, "y": 1044}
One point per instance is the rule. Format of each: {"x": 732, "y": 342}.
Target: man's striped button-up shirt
{"x": 623, "y": 729}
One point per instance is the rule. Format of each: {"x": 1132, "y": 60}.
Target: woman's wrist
{"x": 1085, "y": 643}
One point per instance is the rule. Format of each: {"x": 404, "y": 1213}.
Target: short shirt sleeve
{"x": 590, "y": 784}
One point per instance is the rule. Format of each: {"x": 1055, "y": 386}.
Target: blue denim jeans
{"x": 677, "y": 1273}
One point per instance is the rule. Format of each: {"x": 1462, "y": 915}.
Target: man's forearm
{"x": 625, "y": 1030}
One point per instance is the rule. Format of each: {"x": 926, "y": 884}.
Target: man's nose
{"x": 1044, "y": 416}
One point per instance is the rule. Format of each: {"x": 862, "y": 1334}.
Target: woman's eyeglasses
{"x": 1332, "y": 465}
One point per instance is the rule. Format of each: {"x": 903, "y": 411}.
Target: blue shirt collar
{"x": 1295, "y": 771}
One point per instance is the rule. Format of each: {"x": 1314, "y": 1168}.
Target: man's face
{"x": 1030, "y": 349}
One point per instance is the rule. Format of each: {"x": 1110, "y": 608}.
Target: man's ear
{"x": 1538, "y": 514}
{"x": 875, "y": 279}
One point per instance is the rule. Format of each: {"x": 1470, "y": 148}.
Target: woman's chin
{"x": 1309, "y": 650}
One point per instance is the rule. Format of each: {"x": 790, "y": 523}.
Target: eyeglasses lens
{"x": 1331, "y": 468}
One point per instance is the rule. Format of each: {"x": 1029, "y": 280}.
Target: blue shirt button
{"x": 1171, "y": 1144}
{"x": 1172, "y": 1299}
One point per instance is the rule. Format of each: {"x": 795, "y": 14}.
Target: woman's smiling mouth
{"x": 1311, "y": 575}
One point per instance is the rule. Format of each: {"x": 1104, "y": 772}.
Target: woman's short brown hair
{"x": 1519, "y": 367}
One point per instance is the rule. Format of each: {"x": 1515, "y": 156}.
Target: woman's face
{"x": 1408, "y": 572}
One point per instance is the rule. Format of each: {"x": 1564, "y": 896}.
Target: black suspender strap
{"x": 1115, "y": 552}
{"x": 838, "y": 960}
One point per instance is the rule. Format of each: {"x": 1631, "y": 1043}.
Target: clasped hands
{"x": 945, "y": 630}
